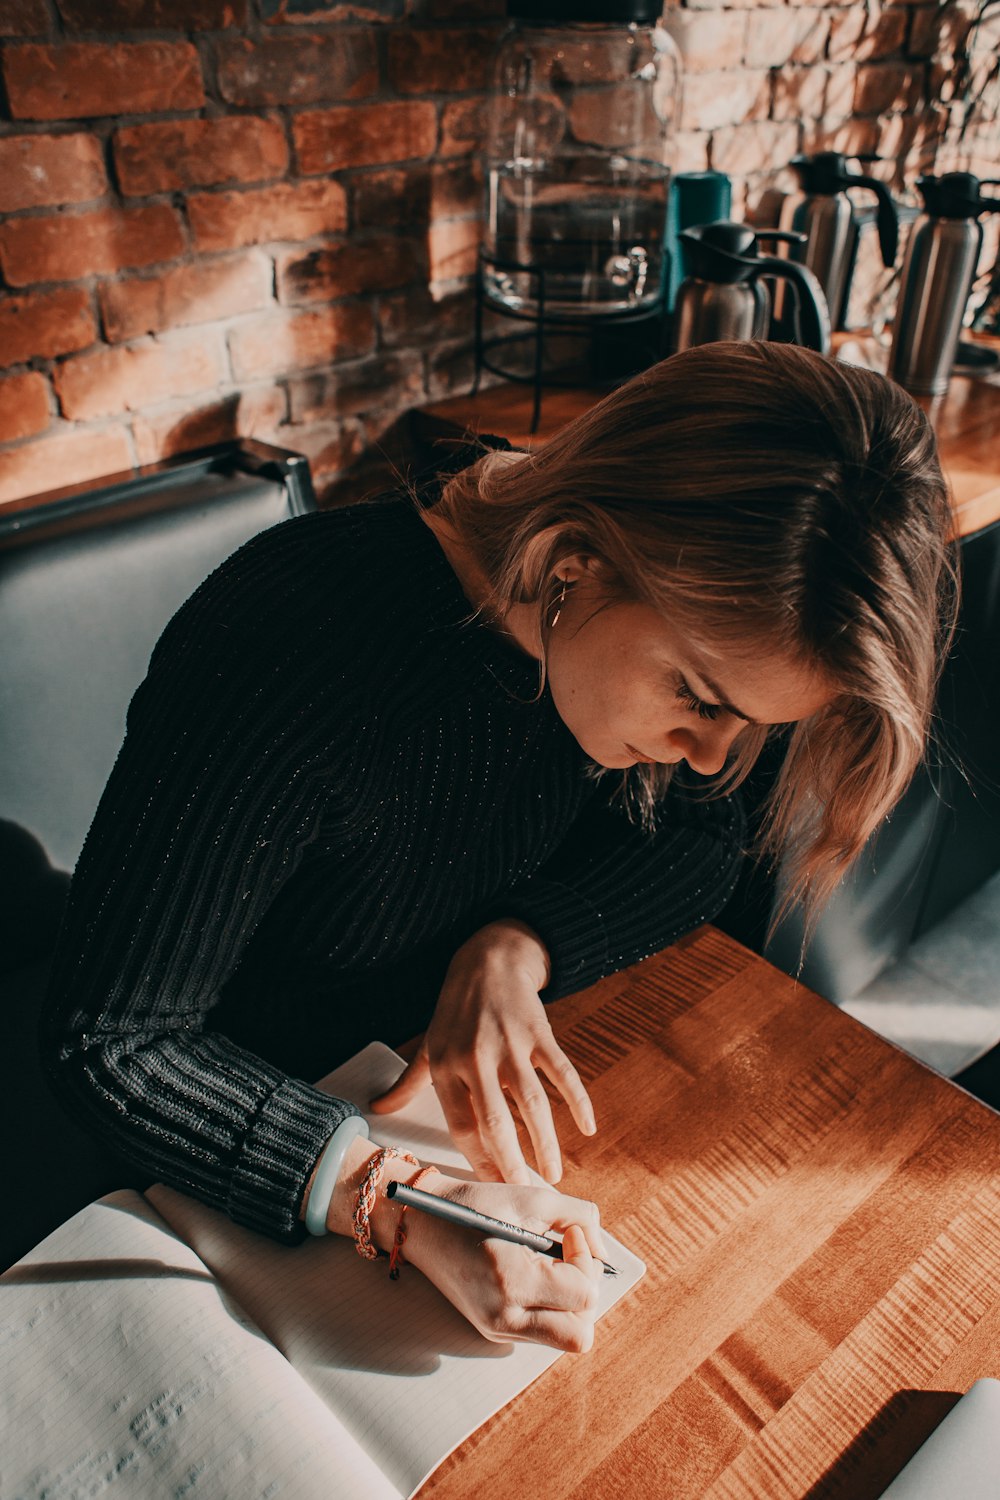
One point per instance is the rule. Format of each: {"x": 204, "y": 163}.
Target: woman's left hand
{"x": 488, "y": 1039}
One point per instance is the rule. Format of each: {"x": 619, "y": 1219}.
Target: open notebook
{"x": 151, "y": 1347}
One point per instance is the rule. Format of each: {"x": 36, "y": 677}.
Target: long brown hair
{"x": 754, "y": 491}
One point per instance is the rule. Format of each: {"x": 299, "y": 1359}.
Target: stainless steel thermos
{"x": 723, "y": 297}
{"x": 826, "y": 216}
{"x": 940, "y": 263}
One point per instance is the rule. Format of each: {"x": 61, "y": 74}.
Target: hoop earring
{"x": 559, "y": 605}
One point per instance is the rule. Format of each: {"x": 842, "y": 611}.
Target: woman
{"x": 368, "y": 788}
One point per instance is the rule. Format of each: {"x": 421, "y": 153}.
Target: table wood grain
{"x": 820, "y": 1218}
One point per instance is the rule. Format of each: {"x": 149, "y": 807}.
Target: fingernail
{"x": 590, "y": 1125}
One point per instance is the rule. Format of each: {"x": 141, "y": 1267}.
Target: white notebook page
{"x": 407, "y": 1375}
{"x": 125, "y": 1371}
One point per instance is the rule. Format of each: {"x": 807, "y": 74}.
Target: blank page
{"x": 125, "y": 1368}
{"x": 405, "y": 1372}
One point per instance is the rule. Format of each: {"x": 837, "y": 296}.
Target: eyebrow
{"x": 720, "y": 699}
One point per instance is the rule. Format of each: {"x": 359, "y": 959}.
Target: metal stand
{"x": 544, "y": 322}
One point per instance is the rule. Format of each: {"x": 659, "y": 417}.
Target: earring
{"x": 559, "y": 605}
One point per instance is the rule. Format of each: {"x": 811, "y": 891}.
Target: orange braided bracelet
{"x": 366, "y": 1200}
{"x": 396, "y": 1258}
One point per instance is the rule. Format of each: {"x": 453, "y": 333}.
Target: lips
{"x": 645, "y": 760}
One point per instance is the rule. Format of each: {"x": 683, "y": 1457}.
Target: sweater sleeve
{"x": 215, "y": 795}
{"x": 614, "y": 893}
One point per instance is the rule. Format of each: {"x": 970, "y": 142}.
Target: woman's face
{"x": 632, "y": 689}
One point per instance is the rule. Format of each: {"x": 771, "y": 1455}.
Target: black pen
{"x": 470, "y": 1218}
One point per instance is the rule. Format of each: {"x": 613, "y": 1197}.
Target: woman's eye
{"x": 695, "y": 704}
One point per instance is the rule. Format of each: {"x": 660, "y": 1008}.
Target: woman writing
{"x": 399, "y": 769}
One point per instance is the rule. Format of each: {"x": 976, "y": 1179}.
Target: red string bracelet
{"x": 396, "y": 1258}
{"x": 366, "y": 1200}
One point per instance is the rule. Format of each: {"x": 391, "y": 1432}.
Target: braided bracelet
{"x": 366, "y": 1200}
{"x": 396, "y": 1257}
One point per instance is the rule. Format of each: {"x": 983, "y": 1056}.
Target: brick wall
{"x": 259, "y": 217}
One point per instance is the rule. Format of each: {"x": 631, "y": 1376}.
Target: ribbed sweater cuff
{"x": 571, "y": 928}
{"x": 278, "y": 1155}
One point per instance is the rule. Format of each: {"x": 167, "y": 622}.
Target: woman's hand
{"x": 488, "y": 1039}
{"x": 507, "y": 1291}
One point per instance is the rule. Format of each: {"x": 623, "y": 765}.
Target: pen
{"x": 470, "y": 1218}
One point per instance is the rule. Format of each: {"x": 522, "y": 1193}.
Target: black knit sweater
{"x": 329, "y": 780}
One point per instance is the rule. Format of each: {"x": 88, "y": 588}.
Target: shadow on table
{"x": 884, "y": 1447}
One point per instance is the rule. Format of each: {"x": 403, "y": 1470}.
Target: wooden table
{"x": 820, "y": 1218}
{"x": 966, "y": 420}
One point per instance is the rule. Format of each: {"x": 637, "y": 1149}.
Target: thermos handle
{"x": 888, "y": 215}
{"x": 812, "y": 316}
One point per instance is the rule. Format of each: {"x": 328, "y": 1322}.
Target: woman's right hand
{"x": 507, "y": 1291}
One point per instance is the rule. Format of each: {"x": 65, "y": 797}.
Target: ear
{"x": 540, "y": 570}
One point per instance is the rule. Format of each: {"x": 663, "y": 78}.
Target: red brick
{"x": 292, "y": 340}
{"x": 798, "y": 93}
{"x": 65, "y": 458}
{"x": 451, "y": 369}
{"x": 776, "y": 37}
{"x": 754, "y": 147}
{"x": 39, "y": 170}
{"x": 404, "y": 197}
{"x": 843, "y": 78}
{"x": 182, "y": 425}
{"x": 309, "y": 12}
{"x": 707, "y": 40}
{"x": 172, "y": 154}
{"x": 24, "y": 406}
{"x": 847, "y": 136}
{"x": 377, "y": 264}
{"x": 66, "y": 247}
{"x": 108, "y": 381}
{"x": 153, "y": 15}
{"x": 42, "y": 325}
{"x": 712, "y": 100}
{"x": 447, "y": 61}
{"x": 885, "y": 87}
{"x": 200, "y": 293}
{"x": 83, "y": 79}
{"x": 415, "y": 317}
{"x": 687, "y": 150}
{"x": 23, "y": 18}
{"x": 288, "y": 211}
{"x": 927, "y": 25}
{"x": 395, "y": 380}
{"x": 454, "y": 246}
{"x": 463, "y": 127}
{"x": 363, "y": 135}
{"x": 858, "y": 35}
{"x": 297, "y": 69}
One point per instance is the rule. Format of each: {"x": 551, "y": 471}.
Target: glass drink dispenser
{"x": 583, "y": 101}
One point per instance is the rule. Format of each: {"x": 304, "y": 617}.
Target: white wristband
{"x": 328, "y": 1170}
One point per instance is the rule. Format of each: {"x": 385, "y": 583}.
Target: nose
{"x": 706, "y": 745}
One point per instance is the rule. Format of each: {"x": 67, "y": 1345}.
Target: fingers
{"x": 413, "y": 1078}
{"x": 536, "y": 1112}
{"x": 558, "y": 1069}
{"x": 495, "y": 1130}
{"x": 580, "y": 1214}
{"x": 566, "y": 1307}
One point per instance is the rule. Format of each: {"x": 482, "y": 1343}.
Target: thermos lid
{"x": 722, "y": 252}
{"x": 956, "y": 195}
{"x": 570, "y": 12}
{"x": 824, "y": 173}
